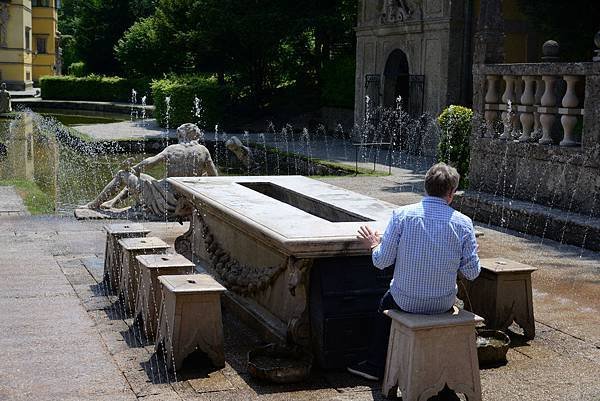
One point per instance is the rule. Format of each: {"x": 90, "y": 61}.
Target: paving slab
{"x": 11, "y": 203}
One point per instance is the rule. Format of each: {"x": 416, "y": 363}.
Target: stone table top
{"x": 132, "y": 244}
{"x": 191, "y": 283}
{"x": 419, "y": 322}
{"x": 293, "y": 230}
{"x": 164, "y": 261}
{"x": 126, "y": 228}
{"x": 501, "y": 265}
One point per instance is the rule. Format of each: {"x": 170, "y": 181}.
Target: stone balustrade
{"x": 540, "y": 103}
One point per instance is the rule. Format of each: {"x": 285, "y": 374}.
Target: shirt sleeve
{"x": 469, "y": 262}
{"x": 384, "y": 254}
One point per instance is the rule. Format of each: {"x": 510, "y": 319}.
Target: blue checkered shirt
{"x": 429, "y": 242}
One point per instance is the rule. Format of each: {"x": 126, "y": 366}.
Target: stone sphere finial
{"x": 597, "y": 43}
{"x": 550, "y": 51}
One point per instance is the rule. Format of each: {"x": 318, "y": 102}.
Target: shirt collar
{"x": 435, "y": 199}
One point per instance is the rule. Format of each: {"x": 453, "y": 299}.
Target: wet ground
{"x": 63, "y": 339}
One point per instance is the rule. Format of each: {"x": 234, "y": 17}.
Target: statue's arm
{"x": 211, "y": 170}
{"x": 149, "y": 162}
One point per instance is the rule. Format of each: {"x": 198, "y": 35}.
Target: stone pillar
{"x": 527, "y": 100}
{"x": 568, "y": 122}
{"x": 489, "y": 38}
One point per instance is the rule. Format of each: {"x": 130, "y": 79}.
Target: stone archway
{"x": 396, "y": 75}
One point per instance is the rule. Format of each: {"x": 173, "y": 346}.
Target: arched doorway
{"x": 397, "y": 79}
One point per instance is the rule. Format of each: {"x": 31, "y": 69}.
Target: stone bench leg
{"x": 112, "y": 251}
{"x": 190, "y": 321}
{"x": 421, "y": 361}
{"x": 130, "y": 272}
{"x": 149, "y": 296}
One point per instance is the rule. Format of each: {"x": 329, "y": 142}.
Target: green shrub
{"x": 337, "y": 82}
{"x": 454, "y": 147}
{"x": 182, "y": 90}
{"x": 77, "y": 69}
{"x": 92, "y": 88}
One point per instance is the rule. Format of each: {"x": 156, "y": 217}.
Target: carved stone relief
{"x": 4, "y": 15}
{"x": 394, "y": 11}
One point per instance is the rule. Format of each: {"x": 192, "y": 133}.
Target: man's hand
{"x": 368, "y": 237}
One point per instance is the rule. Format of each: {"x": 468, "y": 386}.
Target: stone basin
{"x": 286, "y": 248}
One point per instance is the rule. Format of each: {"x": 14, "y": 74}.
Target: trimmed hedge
{"x": 182, "y": 90}
{"x": 92, "y": 88}
{"x": 454, "y": 147}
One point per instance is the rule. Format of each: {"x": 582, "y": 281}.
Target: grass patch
{"x": 36, "y": 201}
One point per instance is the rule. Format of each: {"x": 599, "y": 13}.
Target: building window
{"x": 28, "y": 76}
{"x": 27, "y": 38}
{"x": 40, "y": 45}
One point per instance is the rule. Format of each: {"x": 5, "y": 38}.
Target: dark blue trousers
{"x": 381, "y": 334}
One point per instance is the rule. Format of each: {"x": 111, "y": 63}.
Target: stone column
{"x": 489, "y": 37}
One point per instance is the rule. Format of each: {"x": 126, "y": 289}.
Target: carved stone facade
{"x": 400, "y": 40}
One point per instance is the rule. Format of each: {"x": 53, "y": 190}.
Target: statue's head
{"x": 189, "y": 132}
{"x": 3, "y": 86}
{"x": 234, "y": 144}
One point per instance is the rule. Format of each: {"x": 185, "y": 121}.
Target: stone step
{"x": 530, "y": 218}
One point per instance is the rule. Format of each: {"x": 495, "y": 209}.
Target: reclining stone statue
{"x": 156, "y": 198}
{"x": 243, "y": 153}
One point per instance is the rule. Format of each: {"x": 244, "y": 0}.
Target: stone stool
{"x": 112, "y": 250}
{"x": 426, "y": 352}
{"x": 190, "y": 318}
{"x": 130, "y": 272}
{"x": 149, "y": 297}
{"x": 502, "y": 294}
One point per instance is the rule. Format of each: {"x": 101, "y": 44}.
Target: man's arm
{"x": 384, "y": 254}
{"x": 469, "y": 261}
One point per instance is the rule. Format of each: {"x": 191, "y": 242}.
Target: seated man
{"x": 429, "y": 242}
{"x": 186, "y": 159}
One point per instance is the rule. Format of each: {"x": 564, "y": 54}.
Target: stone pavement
{"x": 137, "y": 130}
{"x": 65, "y": 340}
{"x": 11, "y": 203}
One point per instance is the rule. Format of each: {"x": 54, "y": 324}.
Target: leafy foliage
{"x": 182, "y": 92}
{"x": 141, "y": 52}
{"x": 454, "y": 147}
{"x": 96, "y": 26}
{"x": 77, "y": 69}
{"x": 337, "y": 81}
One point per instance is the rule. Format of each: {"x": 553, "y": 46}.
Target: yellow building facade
{"x": 28, "y": 41}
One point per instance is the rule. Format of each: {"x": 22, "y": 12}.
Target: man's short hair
{"x": 441, "y": 180}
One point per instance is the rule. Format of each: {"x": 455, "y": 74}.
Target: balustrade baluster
{"x": 491, "y": 97}
{"x": 516, "y": 125}
{"x": 527, "y": 99}
{"x": 548, "y": 100}
{"x": 539, "y": 92}
{"x": 569, "y": 122}
{"x": 508, "y": 98}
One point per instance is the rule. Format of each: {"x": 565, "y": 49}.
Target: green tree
{"x": 93, "y": 28}
{"x": 141, "y": 52}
